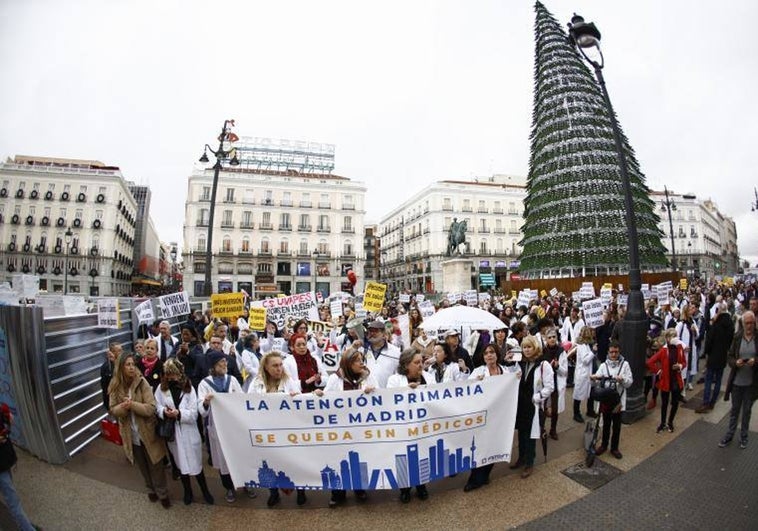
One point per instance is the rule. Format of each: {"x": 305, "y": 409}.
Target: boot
{"x": 187, "y": 489}
{"x": 204, "y": 488}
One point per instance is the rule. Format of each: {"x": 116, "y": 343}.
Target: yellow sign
{"x": 257, "y": 319}
{"x": 729, "y": 282}
{"x": 540, "y": 312}
{"x": 543, "y": 293}
{"x": 227, "y": 304}
{"x": 514, "y": 294}
{"x": 373, "y": 296}
{"x": 682, "y": 283}
{"x": 608, "y": 285}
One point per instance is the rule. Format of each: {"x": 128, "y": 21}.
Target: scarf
{"x": 219, "y": 381}
{"x": 149, "y": 365}
{"x": 439, "y": 371}
{"x": 306, "y": 367}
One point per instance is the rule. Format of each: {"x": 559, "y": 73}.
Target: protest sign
{"x": 682, "y": 284}
{"x": 606, "y": 294}
{"x": 419, "y": 298}
{"x": 471, "y": 297}
{"x": 554, "y": 292}
{"x": 404, "y": 298}
{"x": 387, "y": 439}
{"x": 108, "y": 313}
{"x": 593, "y": 312}
{"x": 257, "y": 319}
{"x": 360, "y": 311}
{"x": 25, "y": 286}
{"x": 298, "y": 306}
{"x": 373, "y": 296}
{"x": 662, "y": 294}
{"x": 524, "y": 298}
{"x": 543, "y": 293}
{"x": 426, "y": 309}
{"x": 176, "y": 304}
{"x": 144, "y": 311}
{"x": 227, "y": 304}
{"x": 403, "y": 323}
{"x": 335, "y": 307}
{"x": 623, "y": 299}
{"x": 576, "y": 295}
{"x": 587, "y": 290}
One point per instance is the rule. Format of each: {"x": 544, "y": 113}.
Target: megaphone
{"x": 357, "y": 325}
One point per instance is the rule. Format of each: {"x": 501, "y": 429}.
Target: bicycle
{"x": 608, "y": 398}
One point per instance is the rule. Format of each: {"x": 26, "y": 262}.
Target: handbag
{"x": 109, "y": 431}
{"x": 166, "y": 428}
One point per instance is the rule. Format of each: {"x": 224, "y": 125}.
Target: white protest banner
{"x": 299, "y": 306}
{"x": 404, "y": 298}
{"x": 420, "y": 298}
{"x": 662, "y": 294}
{"x": 534, "y": 294}
{"x": 554, "y": 292}
{"x": 453, "y": 297}
{"x": 360, "y": 311}
{"x": 426, "y": 309}
{"x": 484, "y": 297}
{"x": 576, "y": 295}
{"x": 623, "y": 299}
{"x": 606, "y": 294}
{"x": 471, "y": 297}
{"x": 335, "y": 307}
{"x": 587, "y": 290}
{"x": 108, "y": 313}
{"x": 593, "y": 312}
{"x": 144, "y": 311}
{"x": 387, "y": 439}
{"x": 524, "y": 298}
{"x": 174, "y": 305}
{"x": 646, "y": 293}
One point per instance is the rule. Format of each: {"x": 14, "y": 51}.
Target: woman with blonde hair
{"x": 176, "y": 401}
{"x": 583, "y": 355}
{"x": 133, "y": 404}
{"x": 272, "y": 378}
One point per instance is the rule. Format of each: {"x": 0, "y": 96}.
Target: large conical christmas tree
{"x": 574, "y": 208}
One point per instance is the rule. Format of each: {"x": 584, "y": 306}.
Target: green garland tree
{"x": 574, "y": 208}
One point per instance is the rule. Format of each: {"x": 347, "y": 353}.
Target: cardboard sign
{"x": 404, "y": 298}
{"x": 472, "y": 299}
{"x": 420, "y": 298}
{"x": 662, "y": 294}
{"x": 335, "y": 307}
{"x": 543, "y": 293}
{"x": 514, "y": 294}
{"x": 257, "y": 319}
{"x": 298, "y": 306}
{"x": 373, "y": 296}
{"x": 683, "y": 283}
{"x": 227, "y": 304}
{"x": 593, "y": 312}
{"x": 174, "y": 305}
{"x": 554, "y": 292}
{"x": 107, "y": 313}
{"x": 426, "y": 309}
{"x": 144, "y": 311}
{"x": 606, "y": 294}
{"x": 623, "y": 300}
{"x": 587, "y": 290}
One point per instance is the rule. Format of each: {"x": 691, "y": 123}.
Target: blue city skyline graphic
{"x": 354, "y": 474}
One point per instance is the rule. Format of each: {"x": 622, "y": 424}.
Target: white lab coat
{"x": 543, "y": 388}
{"x": 452, "y": 374}
{"x": 384, "y": 363}
{"x": 290, "y": 367}
{"x": 335, "y": 383}
{"x": 584, "y": 357}
{"x": 287, "y": 385}
{"x": 202, "y": 390}
{"x": 613, "y": 369}
{"x": 683, "y": 332}
{"x": 401, "y": 380}
{"x": 187, "y": 446}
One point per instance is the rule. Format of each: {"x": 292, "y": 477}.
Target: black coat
{"x": 106, "y": 373}
{"x": 718, "y": 340}
{"x": 525, "y": 409}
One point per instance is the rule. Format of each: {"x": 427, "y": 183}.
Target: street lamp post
{"x": 754, "y": 204}
{"x": 221, "y": 154}
{"x": 585, "y": 36}
{"x": 68, "y": 235}
{"x": 667, "y": 205}
{"x": 173, "y": 268}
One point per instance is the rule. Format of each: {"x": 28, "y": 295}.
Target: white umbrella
{"x": 458, "y": 317}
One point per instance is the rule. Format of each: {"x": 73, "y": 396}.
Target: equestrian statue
{"x": 456, "y": 236}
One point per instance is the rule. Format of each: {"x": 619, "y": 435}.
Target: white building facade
{"x": 705, "y": 240}
{"x": 414, "y": 235}
{"x": 274, "y": 231}
{"x": 41, "y": 199}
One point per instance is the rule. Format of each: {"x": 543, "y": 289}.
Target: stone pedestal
{"x": 456, "y": 275}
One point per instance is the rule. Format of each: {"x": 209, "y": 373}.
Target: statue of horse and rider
{"x": 456, "y": 236}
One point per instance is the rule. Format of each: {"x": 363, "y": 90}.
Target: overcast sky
{"x": 410, "y": 92}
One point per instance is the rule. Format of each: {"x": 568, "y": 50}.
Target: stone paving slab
{"x": 689, "y": 484}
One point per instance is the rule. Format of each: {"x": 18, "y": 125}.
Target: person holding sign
{"x": 218, "y": 381}
{"x": 304, "y": 366}
{"x": 272, "y": 378}
{"x": 352, "y": 375}
{"x": 410, "y": 373}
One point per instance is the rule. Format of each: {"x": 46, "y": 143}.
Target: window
{"x": 305, "y": 221}
{"x": 323, "y": 222}
{"x": 229, "y": 195}
{"x": 512, "y": 208}
{"x": 499, "y": 245}
{"x": 347, "y": 202}
{"x": 482, "y": 207}
{"x": 32, "y": 210}
{"x": 249, "y": 197}
{"x": 483, "y": 246}
{"x": 498, "y": 225}
{"x": 284, "y": 221}
{"x": 83, "y": 189}
{"x": 247, "y": 221}
{"x": 347, "y": 249}
{"x": 305, "y": 201}
{"x": 203, "y": 216}
{"x": 62, "y": 212}
{"x": 264, "y": 267}
{"x": 201, "y": 243}
{"x": 347, "y": 224}
{"x": 227, "y": 218}
{"x": 99, "y": 214}
{"x": 226, "y": 245}
{"x": 206, "y": 195}
{"x": 245, "y": 245}
{"x": 513, "y": 226}
{"x": 265, "y": 246}
{"x": 284, "y": 246}
{"x": 101, "y": 190}
{"x": 266, "y": 220}
{"x": 323, "y": 247}
{"x": 51, "y": 187}
{"x": 466, "y": 205}
{"x": 47, "y": 212}
{"x": 287, "y": 199}
{"x": 35, "y": 187}
{"x": 79, "y": 214}
{"x": 269, "y": 197}
{"x": 67, "y": 188}
{"x": 446, "y": 204}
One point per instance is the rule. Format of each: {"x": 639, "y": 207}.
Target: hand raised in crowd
{"x": 368, "y": 390}
{"x": 318, "y": 392}
{"x": 207, "y": 400}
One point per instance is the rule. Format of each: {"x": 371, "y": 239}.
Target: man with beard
{"x": 382, "y": 357}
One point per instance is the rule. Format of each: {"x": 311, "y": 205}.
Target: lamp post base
{"x": 635, "y": 406}
{"x": 634, "y": 348}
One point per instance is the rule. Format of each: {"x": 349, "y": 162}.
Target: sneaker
{"x": 725, "y": 442}
{"x": 660, "y": 428}
{"x": 690, "y": 387}
{"x": 743, "y": 444}
{"x": 230, "y": 496}
{"x": 670, "y": 428}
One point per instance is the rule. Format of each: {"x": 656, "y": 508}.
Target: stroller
{"x": 610, "y": 400}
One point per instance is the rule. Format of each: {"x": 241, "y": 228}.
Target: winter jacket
{"x": 718, "y": 340}
{"x": 143, "y": 407}
{"x": 659, "y": 363}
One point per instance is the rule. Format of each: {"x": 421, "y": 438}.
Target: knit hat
{"x": 214, "y": 356}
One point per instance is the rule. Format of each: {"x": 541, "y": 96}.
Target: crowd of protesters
{"x": 546, "y": 345}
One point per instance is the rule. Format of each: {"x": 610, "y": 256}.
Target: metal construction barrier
{"x": 50, "y": 375}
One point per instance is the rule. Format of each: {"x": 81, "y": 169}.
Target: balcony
{"x": 348, "y": 207}
{"x": 483, "y": 230}
{"x": 281, "y": 252}
{"x": 201, "y": 223}
{"x": 482, "y": 210}
{"x": 303, "y": 252}
{"x": 286, "y": 203}
{"x": 325, "y": 205}
{"x": 499, "y": 230}
{"x": 264, "y": 252}
{"x": 323, "y": 254}
{"x": 348, "y": 230}
{"x": 497, "y": 210}
{"x": 467, "y": 209}
{"x": 348, "y": 254}
{"x": 287, "y": 228}
{"x": 323, "y": 229}
{"x": 245, "y": 252}
{"x": 227, "y": 224}
{"x": 229, "y": 200}
{"x": 266, "y": 226}
{"x": 513, "y": 231}
{"x": 225, "y": 252}
{"x": 426, "y": 230}
{"x": 513, "y": 212}
{"x": 304, "y": 228}
{"x": 205, "y": 198}
{"x": 306, "y": 204}
{"x": 246, "y": 225}
{"x": 447, "y": 208}
{"x": 200, "y": 249}
{"x": 248, "y": 201}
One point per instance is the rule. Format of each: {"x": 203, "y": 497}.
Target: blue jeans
{"x": 742, "y": 399}
{"x": 712, "y": 377}
{"x": 13, "y": 502}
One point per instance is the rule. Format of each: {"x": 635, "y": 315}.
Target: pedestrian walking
{"x": 717, "y": 344}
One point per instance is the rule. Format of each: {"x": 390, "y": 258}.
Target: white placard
{"x": 426, "y": 308}
{"x": 554, "y": 292}
{"x": 25, "y": 286}
{"x": 335, "y": 307}
{"x": 587, "y": 291}
{"x": 281, "y": 309}
{"x": 404, "y": 298}
{"x": 454, "y": 297}
{"x": 472, "y": 298}
{"x": 593, "y": 312}
{"x": 623, "y": 299}
{"x": 606, "y": 294}
{"x": 144, "y": 311}
{"x": 360, "y": 311}
{"x": 420, "y": 298}
{"x": 108, "y": 315}
{"x": 176, "y": 304}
